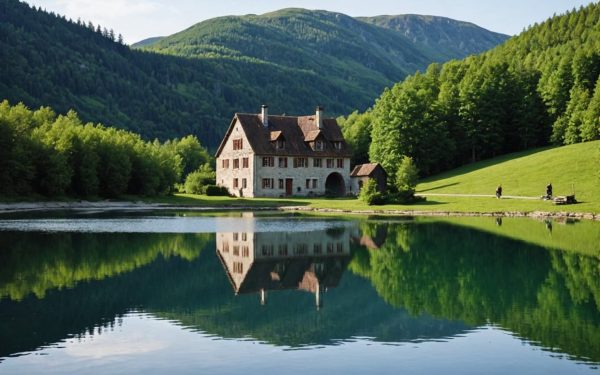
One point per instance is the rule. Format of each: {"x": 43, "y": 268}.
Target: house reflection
{"x": 267, "y": 261}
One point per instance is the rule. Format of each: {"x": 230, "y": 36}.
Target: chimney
{"x": 265, "y": 115}
{"x": 319, "y": 117}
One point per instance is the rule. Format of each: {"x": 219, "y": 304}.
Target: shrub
{"x": 370, "y": 195}
{"x": 197, "y": 181}
{"x": 214, "y": 190}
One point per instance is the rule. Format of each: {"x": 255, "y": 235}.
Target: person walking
{"x": 499, "y": 191}
{"x": 549, "y": 191}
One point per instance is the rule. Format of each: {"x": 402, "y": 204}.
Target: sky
{"x": 140, "y": 19}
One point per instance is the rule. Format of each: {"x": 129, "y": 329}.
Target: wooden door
{"x": 289, "y": 186}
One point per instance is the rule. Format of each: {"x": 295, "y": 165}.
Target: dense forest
{"x": 47, "y": 60}
{"x": 42, "y": 153}
{"x": 536, "y": 89}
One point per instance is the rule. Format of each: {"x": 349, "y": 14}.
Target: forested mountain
{"x": 439, "y": 35}
{"x": 292, "y": 60}
{"x": 537, "y": 88}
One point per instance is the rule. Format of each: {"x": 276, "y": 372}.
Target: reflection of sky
{"x": 171, "y": 224}
{"x": 143, "y": 344}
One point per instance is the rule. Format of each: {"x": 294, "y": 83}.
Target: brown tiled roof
{"x": 295, "y": 130}
{"x": 365, "y": 169}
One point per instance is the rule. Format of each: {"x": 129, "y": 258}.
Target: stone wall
{"x": 298, "y": 175}
{"x": 226, "y": 176}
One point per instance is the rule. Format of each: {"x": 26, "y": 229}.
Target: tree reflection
{"x": 455, "y": 273}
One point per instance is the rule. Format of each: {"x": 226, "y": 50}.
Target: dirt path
{"x": 475, "y": 195}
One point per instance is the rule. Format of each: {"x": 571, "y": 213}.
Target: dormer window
{"x": 280, "y": 143}
{"x": 337, "y": 145}
{"x": 319, "y": 145}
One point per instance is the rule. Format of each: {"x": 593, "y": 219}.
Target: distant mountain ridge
{"x": 440, "y": 34}
{"x": 147, "y": 42}
{"x": 292, "y": 59}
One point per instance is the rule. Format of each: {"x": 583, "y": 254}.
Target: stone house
{"x": 363, "y": 172}
{"x": 276, "y": 156}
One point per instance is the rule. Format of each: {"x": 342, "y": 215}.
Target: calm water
{"x": 187, "y": 294}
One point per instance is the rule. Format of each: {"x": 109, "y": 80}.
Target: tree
{"x": 590, "y": 127}
{"x": 407, "y": 175}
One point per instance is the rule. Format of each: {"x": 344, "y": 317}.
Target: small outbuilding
{"x": 362, "y": 172}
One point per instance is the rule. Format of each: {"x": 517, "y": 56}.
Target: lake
{"x": 189, "y": 293}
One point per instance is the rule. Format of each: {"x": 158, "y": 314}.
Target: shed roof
{"x": 363, "y": 170}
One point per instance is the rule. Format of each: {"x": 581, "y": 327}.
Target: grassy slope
{"x": 569, "y": 168}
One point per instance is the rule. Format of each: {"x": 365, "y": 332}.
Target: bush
{"x": 198, "y": 181}
{"x": 370, "y": 195}
{"x": 214, "y": 190}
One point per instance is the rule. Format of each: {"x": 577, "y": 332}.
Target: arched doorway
{"x": 334, "y": 185}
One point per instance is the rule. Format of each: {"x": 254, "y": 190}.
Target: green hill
{"x": 570, "y": 169}
{"x": 147, "y": 42}
{"x": 292, "y": 60}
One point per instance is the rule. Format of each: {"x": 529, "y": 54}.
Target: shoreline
{"x": 104, "y": 206}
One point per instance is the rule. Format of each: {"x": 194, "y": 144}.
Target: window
{"x": 308, "y": 183}
{"x": 282, "y": 162}
{"x": 300, "y": 163}
{"x": 235, "y": 183}
{"x": 339, "y": 247}
{"x": 337, "y": 145}
{"x": 317, "y": 163}
{"x": 245, "y": 163}
{"x": 281, "y": 183}
{"x": 329, "y": 163}
{"x": 329, "y": 248}
{"x": 268, "y": 161}
{"x": 283, "y": 249}
{"x": 314, "y": 183}
{"x": 236, "y": 163}
{"x": 236, "y": 250}
{"x": 301, "y": 249}
{"x": 280, "y": 143}
{"x": 235, "y": 236}
{"x": 244, "y": 183}
{"x": 237, "y": 144}
{"x": 267, "y": 183}
{"x": 340, "y": 163}
{"x": 317, "y": 248}
{"x": 267, "y": 250}
{"x": 244, "y": 236}
{"x": 225, "y": 163}
{"x": 245, "y": 251}
{"x": 238, "y": 267}
{"x": 225, "y": 247}
{"x": 319, "y": 145}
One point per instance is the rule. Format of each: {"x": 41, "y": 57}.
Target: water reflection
{"x": 387, "y": 281}
{"x": 261, "y": 262}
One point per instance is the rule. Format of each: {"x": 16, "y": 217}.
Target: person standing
{"x": 549, "y": 191}
{"x": 499, "y": 191}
